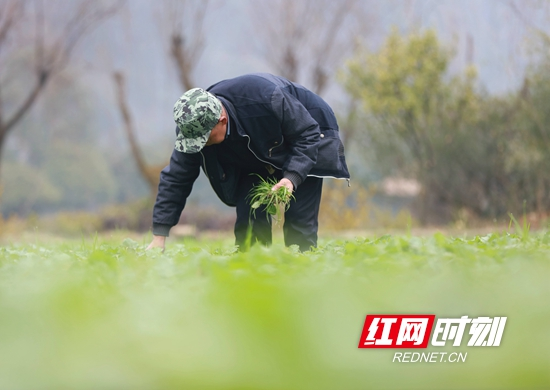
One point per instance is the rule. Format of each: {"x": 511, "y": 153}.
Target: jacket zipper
{"x": 204, "y": 164}
{"x": 321, "y": 177}
{"x": 276, "y": 146}
{"x": 332, "y": 177}
{"x": 248, "y": 146}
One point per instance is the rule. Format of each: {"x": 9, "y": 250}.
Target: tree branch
{"x": 43, "y": 77}
{"x": 186, "y": 49}
{"x": 87, "y": 17}
{"x": 9, "y": 16}
{"x": 130, "y": 131}
{"x": 46, "y": 64}
{"x": 183, "y": 65}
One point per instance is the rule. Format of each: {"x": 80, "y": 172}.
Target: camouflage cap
{"x": 196, "y": 113}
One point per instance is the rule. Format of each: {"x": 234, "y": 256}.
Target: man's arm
{"x": 176, "y": 182}
{"x": 300, "y": 131}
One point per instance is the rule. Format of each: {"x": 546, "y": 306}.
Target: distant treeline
{"x": 471, "y": 152}
{"x": 408, "y": 117}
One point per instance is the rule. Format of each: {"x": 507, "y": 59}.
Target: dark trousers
{"x": 301, "y": 219}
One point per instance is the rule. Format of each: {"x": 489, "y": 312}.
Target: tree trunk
{"x": 2, "y": 141}
{"x": 184, "y": 64}
{"x": 144, "y": 169}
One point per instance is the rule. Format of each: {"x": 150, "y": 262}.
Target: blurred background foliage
{"x": 468, "y": 149}
{"x": 444, "y": 108}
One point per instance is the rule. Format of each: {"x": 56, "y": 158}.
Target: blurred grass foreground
{"x": 100, "y": 315}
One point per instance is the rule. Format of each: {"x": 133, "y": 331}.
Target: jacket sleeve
{"x": 301, "y": 133}
{"x": 176, "y": 182}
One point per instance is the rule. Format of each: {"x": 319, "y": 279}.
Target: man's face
{"x": 218, "y": 134}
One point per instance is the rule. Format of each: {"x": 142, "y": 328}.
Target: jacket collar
{"x": 233, "y": 122}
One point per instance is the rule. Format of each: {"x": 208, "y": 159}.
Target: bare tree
{"x": 309, "y": 38}
{"x": 51, "y": 38}
{"x": 533, "y": 13}
{"x": 183, "y": 22}
{"x": 149, "y": 173}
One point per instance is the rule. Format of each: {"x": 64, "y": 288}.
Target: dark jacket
{"x": 287, "y": 126}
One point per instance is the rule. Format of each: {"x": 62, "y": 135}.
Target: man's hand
{"x": 158, "y": 242}
{"x": 284, "y": 182}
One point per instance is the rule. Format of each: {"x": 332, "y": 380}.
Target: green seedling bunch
{"x": 272, "y": 201}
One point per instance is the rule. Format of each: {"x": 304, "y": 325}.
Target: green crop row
{"x": 104, "y": 314}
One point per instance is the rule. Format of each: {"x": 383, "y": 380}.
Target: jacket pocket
{"x": 331, "y": 152}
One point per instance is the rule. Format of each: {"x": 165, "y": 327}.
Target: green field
{"x": 105, "y": 314}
